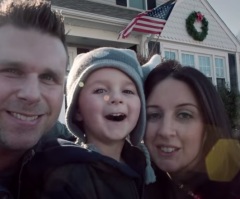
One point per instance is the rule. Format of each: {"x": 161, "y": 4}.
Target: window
{"x": 204, "y": 66}
{"x": 139, "y": 4}
{"x": 220, "y": 72}
{"x": 188, "y": 60}
{"x": 153, "y": 48}
{"x": 169, "y": 55}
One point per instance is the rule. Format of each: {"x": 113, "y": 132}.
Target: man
{"x": 33, "y": 60}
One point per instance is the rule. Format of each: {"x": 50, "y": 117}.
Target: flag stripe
{"x": 147, "y": 23}
{"x": 151, "y": 19}
{"x": 149, "y": 26}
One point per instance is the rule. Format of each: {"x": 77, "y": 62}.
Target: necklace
{"x": 184, "y": 188}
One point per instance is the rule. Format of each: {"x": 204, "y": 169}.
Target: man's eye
{"x": 47, "y": 78}
{"x": 12, "y": 71}
{"x": 128, "y": 92}
{"x": 99, "y": 91}
{"x": 152, "y": 117}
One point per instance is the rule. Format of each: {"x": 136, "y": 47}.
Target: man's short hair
{"x": 36, "y": 14}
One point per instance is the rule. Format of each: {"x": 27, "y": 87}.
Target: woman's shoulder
{"x": 234, "y": 192}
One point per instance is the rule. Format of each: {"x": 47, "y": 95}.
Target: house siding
{"x": 175, "y": 28}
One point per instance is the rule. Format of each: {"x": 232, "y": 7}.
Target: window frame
{"x": 148, "y": 4}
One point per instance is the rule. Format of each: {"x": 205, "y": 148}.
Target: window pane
{"x": 140, "y": 4}
{"x": 219, "y": 63}
{"x": 220, "y": 83}
{"x": 187, "y": 60}
{"x": 210, "y": 79}
{"x": 170, "y": 55}
{"x": 204, "y": 65}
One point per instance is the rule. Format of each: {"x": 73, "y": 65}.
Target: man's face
{"x": 32, "y": 70}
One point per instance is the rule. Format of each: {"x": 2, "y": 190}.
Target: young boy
{"x": 106, "y": 105}
{"x": 106, "y": 100}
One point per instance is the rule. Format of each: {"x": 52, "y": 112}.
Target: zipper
{"x": 26, "y": 159}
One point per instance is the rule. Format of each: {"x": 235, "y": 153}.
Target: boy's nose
{"x": 116, "y": 98}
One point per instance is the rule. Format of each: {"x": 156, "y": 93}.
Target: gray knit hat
{"x": 124, "y": 60}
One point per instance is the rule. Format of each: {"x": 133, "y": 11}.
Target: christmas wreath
{"x": 192, "y": 18}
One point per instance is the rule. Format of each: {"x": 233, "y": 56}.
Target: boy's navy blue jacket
{"x": 60, "y": 169}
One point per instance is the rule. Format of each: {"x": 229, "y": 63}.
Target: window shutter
{"x": 151, "y": 4}
{"x": 121, "y": 2}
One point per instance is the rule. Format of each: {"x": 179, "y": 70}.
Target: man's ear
{"x": 78, "y": 116}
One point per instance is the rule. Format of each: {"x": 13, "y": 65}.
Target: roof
{"x": 97, "y": 8}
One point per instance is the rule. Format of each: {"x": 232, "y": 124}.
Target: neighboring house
{"x": 92, "y": 24}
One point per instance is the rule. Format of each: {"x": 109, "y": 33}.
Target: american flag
{"x": 152, "y": 21}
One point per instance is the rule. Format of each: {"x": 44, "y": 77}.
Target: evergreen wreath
{"x": 192, "y": 18}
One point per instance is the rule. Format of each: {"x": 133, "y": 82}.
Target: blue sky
{"x": 229, "y": 11}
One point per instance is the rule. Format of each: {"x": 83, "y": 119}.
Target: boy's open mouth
{"x": 116, "y": 117}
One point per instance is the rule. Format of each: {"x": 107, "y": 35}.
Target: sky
{"x": 229, "y": 11}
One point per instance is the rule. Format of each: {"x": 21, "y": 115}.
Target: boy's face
{"x": 108, "y": 106}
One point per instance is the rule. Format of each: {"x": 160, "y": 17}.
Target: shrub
{"x": 231, "y": 100}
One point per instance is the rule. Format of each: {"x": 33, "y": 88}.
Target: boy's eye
{"x": 99, "y": 91}
{"x": 152, "y": 117}
{"x": 128, "y": 92}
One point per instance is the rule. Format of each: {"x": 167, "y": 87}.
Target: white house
{"x": 92, "y": 24}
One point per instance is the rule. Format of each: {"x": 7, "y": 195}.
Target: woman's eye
{"x": 151, "y": 117}
{"x": 99, "y": 91}
{"x": 128, "y": 92}
{"x": 185, "y": 116}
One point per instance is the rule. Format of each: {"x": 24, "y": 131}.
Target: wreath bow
{"x": 199, "y": 16}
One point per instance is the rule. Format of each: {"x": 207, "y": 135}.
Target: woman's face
{"x": 175, "y": 129}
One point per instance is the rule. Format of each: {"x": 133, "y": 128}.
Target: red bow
{"x": 199, "y": 16}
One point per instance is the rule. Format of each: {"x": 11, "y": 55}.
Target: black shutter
{"x": 121, "y": 2}
{"x": 233, "y": 72}
{"x": 151, "y": 4}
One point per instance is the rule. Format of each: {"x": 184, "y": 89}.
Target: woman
{"x": 189, "y": 137}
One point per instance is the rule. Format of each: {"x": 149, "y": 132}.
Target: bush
{"x": 231, "y": 100}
